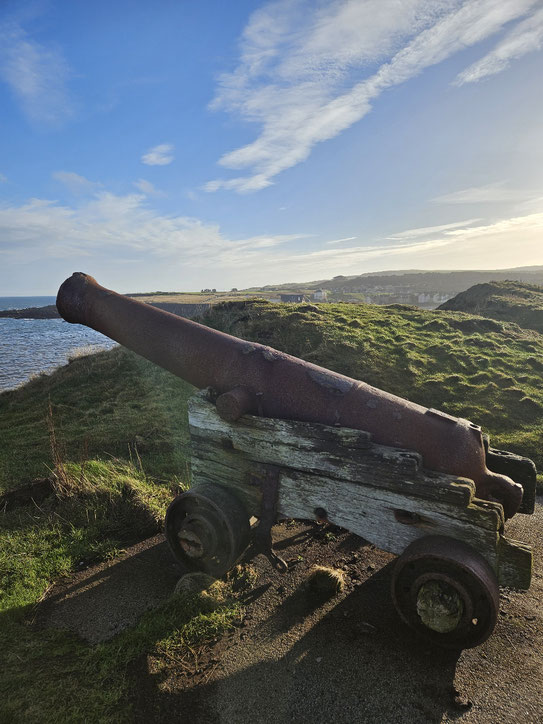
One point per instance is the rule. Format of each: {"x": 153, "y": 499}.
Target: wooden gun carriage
{"x": 275, "y": 436}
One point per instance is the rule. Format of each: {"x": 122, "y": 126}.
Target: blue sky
{"x": 179, "y": 145}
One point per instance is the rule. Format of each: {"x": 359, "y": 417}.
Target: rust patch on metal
{"x": 336, "y": 385}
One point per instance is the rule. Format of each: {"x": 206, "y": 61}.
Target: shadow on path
{"x": 358, "y": 663}
{"x": 101, "y": 601}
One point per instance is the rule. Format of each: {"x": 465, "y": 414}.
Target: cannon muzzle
{"x": 256, "y": 379}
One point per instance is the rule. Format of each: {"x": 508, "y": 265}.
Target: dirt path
{"x": 350, "y": 660}
{"x": 297, "y": 659}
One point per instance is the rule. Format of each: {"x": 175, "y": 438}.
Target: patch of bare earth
{"x": 350, "y": 659}
{"x": 295, "y": 658}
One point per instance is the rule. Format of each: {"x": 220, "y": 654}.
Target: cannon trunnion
{"x": 273, "y": 436}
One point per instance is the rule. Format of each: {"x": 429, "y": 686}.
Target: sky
{"x": 180, "y": 145}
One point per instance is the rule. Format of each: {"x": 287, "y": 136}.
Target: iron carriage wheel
{"x": 446, "y": 591}
{"x": 207, "y": 529}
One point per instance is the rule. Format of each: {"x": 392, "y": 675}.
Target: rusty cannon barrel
{"x": 256, "y": 379}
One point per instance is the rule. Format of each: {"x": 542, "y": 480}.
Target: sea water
{"x": 31, "y": 346}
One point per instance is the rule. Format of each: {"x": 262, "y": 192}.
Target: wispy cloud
{"x": 301, "y": 63}
{"x": 427, "y": 230}
{"x": 147, "y": 188}
{"x": 525, "y": 38}
{"x": 75, "y": 183}
{"x": 339, "y": 241}
{"x": 488, "y": 194}
{"x": 160, "y": 155}
{"x": 503, "y": 244}
{"x": 46, "y": 229}
{"x": 36, "y": 74}
{"x": 3, "y": 178}
{"x": 128, "y": 227}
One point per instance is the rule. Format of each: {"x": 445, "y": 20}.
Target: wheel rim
{"x": 446, "y": 591}
{"x": 207, "y": 529}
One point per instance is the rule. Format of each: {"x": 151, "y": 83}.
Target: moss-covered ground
{"x": 487, "y": 371}
{"x": 505, "y": 301}
{"x": 111, "y": 431}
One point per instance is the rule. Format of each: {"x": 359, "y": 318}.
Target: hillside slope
{"x": 482, "y": 369}
{"x": 506, "y": 301}
{"x": 448, "y": 282}
{"x": 108, "y": 404}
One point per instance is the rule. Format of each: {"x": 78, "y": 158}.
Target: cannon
{"x": 272, "y": 434}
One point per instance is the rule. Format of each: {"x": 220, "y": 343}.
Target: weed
{"x": 326, "y": 581}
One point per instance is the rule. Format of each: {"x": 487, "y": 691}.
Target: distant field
{"x": 201, "y": 297}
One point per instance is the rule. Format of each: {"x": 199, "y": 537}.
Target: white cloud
{"x": 3, "y": 178}
{"x": 37, "y": 75}
{"x": 301, "y": 63}
{"x": 427, "y": 230}
{"x": 490, "y": 193}
{"x": 503, "y": 244}
{"x": 127, "y": 227}
{"x": 147, "y": 188}
{"x": 75, "y": 183}
{"x": 160, "y": 155}
{"x": 525, "y": 38}
{"x": 339, "y": 241}
{"x": 242, "y": 185}
{"x": 41, "y": 229}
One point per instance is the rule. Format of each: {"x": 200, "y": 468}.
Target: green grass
{"x": 505, "y": 301}
{"x": 119, "y": 458}
{"x": 53, "y": 676}
{"x": 112, "y": 403}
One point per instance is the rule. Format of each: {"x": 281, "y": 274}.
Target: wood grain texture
{"x": 379, "y": 493}
{"x": 340, "y": 452}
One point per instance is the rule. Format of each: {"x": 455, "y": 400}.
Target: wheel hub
{"x": 207, "y": 528}
{"x": 439, "y": 606}
{"x": 197, "y": 537}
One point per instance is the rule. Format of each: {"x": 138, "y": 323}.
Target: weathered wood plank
{"x": 229, "y": 467}
{"x": 310, "y": 433}
{"x": 515, "y": 563}
{"x": 323, "y": 449}
{"x": 375, "y": 516}
{"x": 379, "y": 493}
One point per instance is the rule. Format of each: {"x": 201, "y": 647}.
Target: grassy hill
{"x": 109, "y": 430}
{"x": 482, "y": 369}
{"x": 109, "y": 404}
{"x": 505, "y": 301}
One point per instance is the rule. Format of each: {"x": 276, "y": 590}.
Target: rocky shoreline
{"x": 48, "y": 312}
